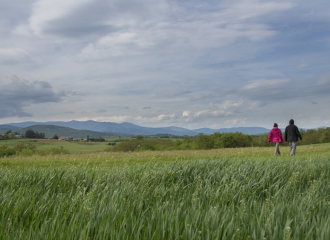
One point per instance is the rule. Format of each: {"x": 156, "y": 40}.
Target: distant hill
{"x": 132, "y": 129}
{"x": 51, "y": 130}
{"x": 6, "y": 128}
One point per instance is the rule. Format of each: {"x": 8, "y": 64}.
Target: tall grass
{"x": 219, "y": 198}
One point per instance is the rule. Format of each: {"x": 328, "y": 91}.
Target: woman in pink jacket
{"x": 275, "y": 136}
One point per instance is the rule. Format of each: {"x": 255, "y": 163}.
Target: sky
{"x": 157, "y": 63}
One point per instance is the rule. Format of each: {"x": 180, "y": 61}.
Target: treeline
{"x": 29, "y": 150}
{"x": 31, "y": 134}
{"x": 310, "y": 136}
{"x": 202, "y": 141}
{"x": 217, "y": 140}
{"x": 10, "y": 135}
{"x": 28, "y": 134}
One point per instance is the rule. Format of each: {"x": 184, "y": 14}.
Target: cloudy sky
{"x": 186, "y": 63}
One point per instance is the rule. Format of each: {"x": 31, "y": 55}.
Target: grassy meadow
{"x": 43, "y": 144}
{"x": 233, "y": 193}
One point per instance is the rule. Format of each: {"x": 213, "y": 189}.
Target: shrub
{"x": 5, "y": 152}
{"x": 53, "y": 151}
{"x": 147, "y": 146}
{"x": 25, "y": 152}
{"x": 125, "y": 146}
{"x": 139, "y": 137}
{"x": 20, "y": 146}
{"x": 4, "y": 146}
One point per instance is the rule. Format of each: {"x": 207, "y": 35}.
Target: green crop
{"x": 216, "y": 198}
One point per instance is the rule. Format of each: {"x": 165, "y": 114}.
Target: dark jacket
{"x": 292, "y": 133}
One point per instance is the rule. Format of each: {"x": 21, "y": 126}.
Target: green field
{"x": 242, "y": 193}
{"x": 73, "y": 147}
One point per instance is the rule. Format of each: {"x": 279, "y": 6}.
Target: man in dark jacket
{"x": 291, "y": 135}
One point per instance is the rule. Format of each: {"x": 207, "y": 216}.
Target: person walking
{"x": 291, "y": 135}
{"x": 275, "y": 136}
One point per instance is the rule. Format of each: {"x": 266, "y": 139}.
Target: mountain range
{"x": 126, "y": 128}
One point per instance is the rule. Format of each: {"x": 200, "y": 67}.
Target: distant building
{"x": 62, "y": 138}
{"x": 18, "y": 136}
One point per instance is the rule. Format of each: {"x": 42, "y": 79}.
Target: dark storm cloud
{"x": 17, "y": 94}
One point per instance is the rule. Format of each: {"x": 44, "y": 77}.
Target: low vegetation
{"x": 28, "y": 150}
{"x": 232, "y": 193}
{"x": 215, "y": 141}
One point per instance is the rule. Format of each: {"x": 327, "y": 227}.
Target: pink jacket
{"x": 275, "y": 135}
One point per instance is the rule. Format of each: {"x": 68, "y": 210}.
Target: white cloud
{"x": 159, "y": 118}
{"x": 236, "y": 121}
{"x": 201, "y": 32}
{"x": 204, "y": 114}
{"x": 264, "y": 84}
{"x": 22, "y": 30}
{"x": 160, "y": 62}
{"x": 118, "y": 119}
{"x": 229, "y": 104}
{"x": 14, "y": 56}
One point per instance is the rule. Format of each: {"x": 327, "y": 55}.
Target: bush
{"x": 139, "y": 137}
{"x": 147, "y": 146}
{"x": 6, "y": 152}
{"x": 53, "y": 151}
{"x": 4, "y": 146}
{"x": 125, "y": 146}
{"x": 25, "y": 152}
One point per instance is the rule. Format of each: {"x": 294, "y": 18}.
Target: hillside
{"x": 51, "y": 130}
{"x": 5, "y": 128}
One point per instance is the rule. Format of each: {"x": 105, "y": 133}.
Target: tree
{"x": 204, "y": 141}
{"x": 8, "y": 132}
{"x": 87, "y": 138}
{"x": 40, "y": 135}
{"x": 139, "y": 137}
{"x": 30, "y": 134}
{"x": 228, "y": 140}
{"x": 55, "y": 137}
{"x": 302, "y": 132}
{"x": 11, "y": 135}
{"x": 326, "y": 136}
